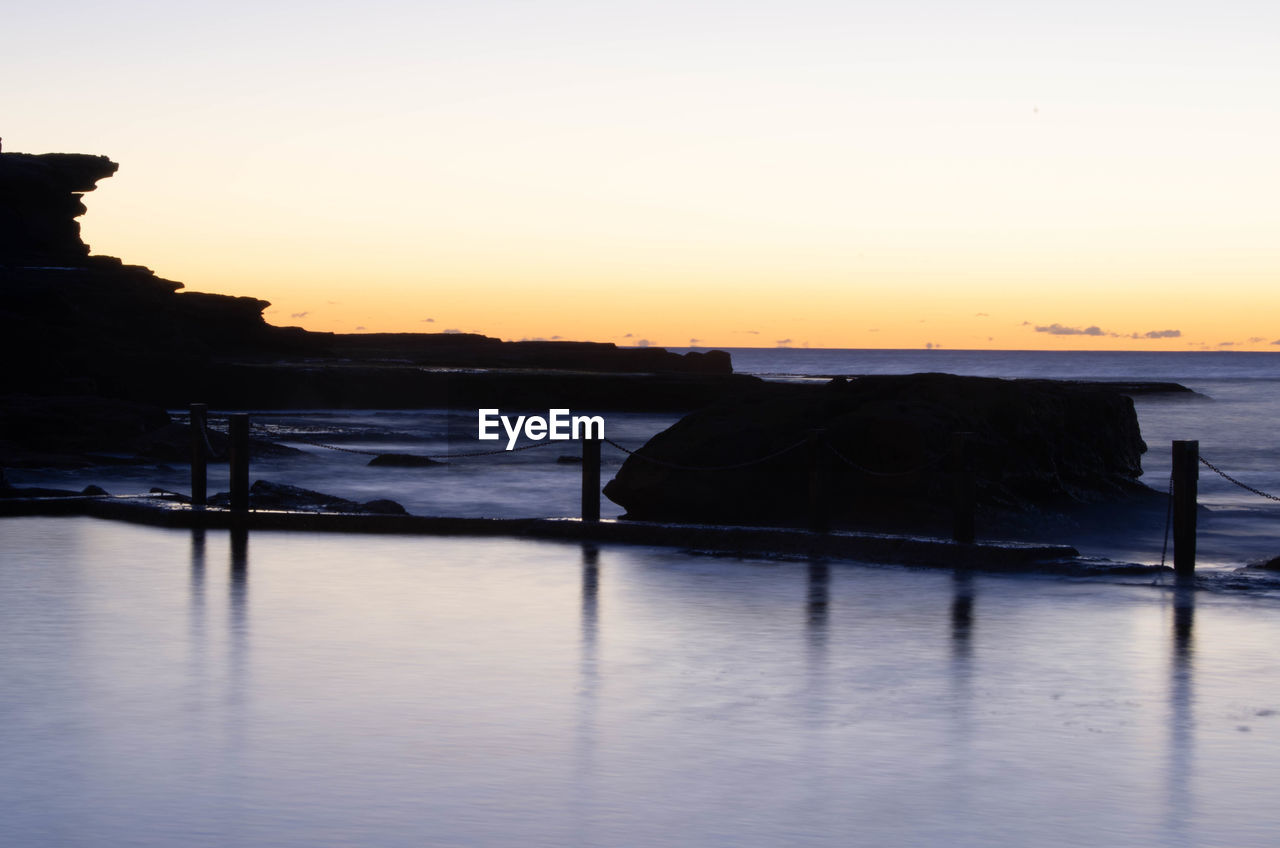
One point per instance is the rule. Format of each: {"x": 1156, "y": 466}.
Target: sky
{"x": 982, "y": 175}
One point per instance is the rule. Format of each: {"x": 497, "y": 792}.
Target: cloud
{"x": 1059, "y": 330}
{"x": 360, "y": 327}
{"x": 299, "y": 314}
{"x": 428, "y": 321}
{"x": 1161, "y": 334}
{"x": 1276, "y": 342}
{"x": 1226, "y": 344}
{"x": 782, "y": 342}
{"x": 453, "y": 330}
{"x": 749, "y": 332}
{"x": 981, "y": 315}
{"x": 693, "y": 342}
{"x": 556, "y": 338}
{"x": 1256, "y": 339}
{"x": 627, "y": 336}
{"x": 643, "y": 342}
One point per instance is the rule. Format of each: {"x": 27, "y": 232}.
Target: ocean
{"x": 1232, "y": 414}
{"x": 201, "y": 688}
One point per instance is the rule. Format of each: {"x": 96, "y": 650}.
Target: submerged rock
{"x": 404, "y": 460}
{"x": 885, "y": 447}
{"x": 264, "y": 494}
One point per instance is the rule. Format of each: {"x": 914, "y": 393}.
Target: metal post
{"x": 238, "y": 430}
{"x": 590, "y": 479}
{"x": 199, "y": 454}
{"x": 962, "y": 492}
{"x": 819, "y": 495}
{"x": 1186, "y": 473}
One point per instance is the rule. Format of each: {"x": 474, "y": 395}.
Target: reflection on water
{"x": 817, "y": 604}
{"x": 962, "y": 615}
{"x": 239, "y": 583}
{"x": 409, "y": 691}
{"x": 1181, "y": 721}
{"x": 197, "y": 587}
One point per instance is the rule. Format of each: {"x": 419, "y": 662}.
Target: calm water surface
{"x": 163, "y": 688}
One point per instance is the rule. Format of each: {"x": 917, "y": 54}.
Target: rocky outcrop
{"x": 39, "y": 204}
{"x": 72, "y": 430}
{"x": 885, "y": 446}
{"x": 82, "y": 324}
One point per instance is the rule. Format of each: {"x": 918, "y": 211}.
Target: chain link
{"x": 438, "y": 457}
{"x": 1231, "y": 479}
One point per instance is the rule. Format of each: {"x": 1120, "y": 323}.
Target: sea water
{"x": 163, "y": 687}
{"x": 1233, "y": 414}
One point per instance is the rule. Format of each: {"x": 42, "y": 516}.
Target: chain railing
{"x": 1180, "y": 515}
{"x": 264, "y": 432}
{"x": 1224, "y": 475}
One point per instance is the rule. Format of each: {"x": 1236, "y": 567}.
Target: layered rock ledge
{"x": 79, "y": 324}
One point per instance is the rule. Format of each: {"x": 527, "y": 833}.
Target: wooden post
{"x": 238, "y": 430}
{"x": 199, "y": 454}
{"x": 590, "y": 479}
{"x": 962, "y": 492}
{"x": 819, "y": 496}
{"x": 1186, "y": 472}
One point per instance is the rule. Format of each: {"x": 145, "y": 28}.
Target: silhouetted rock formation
{"x": 91, "y": 324}
{"x": 1035, "y": 445}
{"x": 39, "y": 204}
{"x": 72, "y": 430}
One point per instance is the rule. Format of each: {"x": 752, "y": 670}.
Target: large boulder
{"x": 885, "y": 447}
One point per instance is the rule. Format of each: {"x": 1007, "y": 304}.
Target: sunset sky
{"x": 966, "y": 175}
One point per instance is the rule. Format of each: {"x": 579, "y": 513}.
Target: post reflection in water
{"x": 963, "y": 734}
{"x": 238, "y": 618}
{"x": 816, "y": 607}
{"x": 590, "y": 601}
{"x": 961, "y": 620}
{"x": 588, "y": 680}
{"x": 239, "y": 580}
{"x": 197, "y": 585}
{"x": 1181, "y": 720}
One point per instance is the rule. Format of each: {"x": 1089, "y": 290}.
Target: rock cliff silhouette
{"x": 75, "y": 323}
